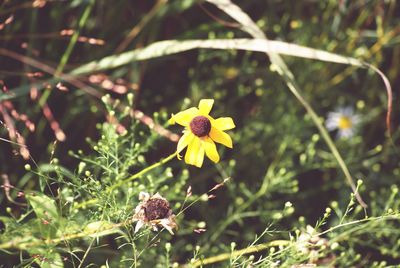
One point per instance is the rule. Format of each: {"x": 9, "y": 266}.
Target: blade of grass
{"x": 138, "y": 28}
{"x": 65, "y": 57}
{"x": 164, "y": 48}
{"x": 168, "y": 47}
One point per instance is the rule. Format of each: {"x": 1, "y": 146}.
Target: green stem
{"x": 131, "y": 178}
{"x": 236, "y": 253}
{"x": 257, "y": 248}
{"x": 142, "y": 172}
{"x": 74, "y": 38}
{"x": 21, "y": 245}
{"x": 64, "y": 59}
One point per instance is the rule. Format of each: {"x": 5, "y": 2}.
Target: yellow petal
{"x": 195, "y": 153}
{"x": 205, "y": 106}
{"x": 220, "y": 137}
{"x": 211, "y": 149}
{"x": 184, "y": 141}
{"x": 171, "y": 121}
{"x": 183, "y": 118}
{"x": 223, "y": 123}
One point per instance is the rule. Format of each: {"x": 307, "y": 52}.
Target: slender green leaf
{"x": 163, "y": 48}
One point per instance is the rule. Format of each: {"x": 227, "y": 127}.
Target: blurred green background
{"x": 278, "y": 155}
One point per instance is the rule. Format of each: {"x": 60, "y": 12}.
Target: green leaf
{"x": 48, "y": 221}
{"x": 46, "y": 257}
{"x": 44, "y": 207}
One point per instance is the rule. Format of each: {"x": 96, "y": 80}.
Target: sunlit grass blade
{"x": 169, "y": 47}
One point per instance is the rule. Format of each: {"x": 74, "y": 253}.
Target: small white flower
{"x": 154, "y": 211}
{"x": 344, "y": 120}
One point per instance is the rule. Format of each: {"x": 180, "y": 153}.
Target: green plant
{"x": 103, "y": 78}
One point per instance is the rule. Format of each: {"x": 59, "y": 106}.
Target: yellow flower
{"x": 201, "y": 132}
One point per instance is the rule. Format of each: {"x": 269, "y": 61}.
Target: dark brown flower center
{"x": 156, "y": 209}
{"x": 200, "y": 126}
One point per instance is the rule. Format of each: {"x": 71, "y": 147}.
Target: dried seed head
{"x": 157, "y": 208}
{"x": 200, "y": 126}
{"x": 154, "y": 211}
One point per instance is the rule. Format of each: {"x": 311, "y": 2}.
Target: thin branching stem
{"x": 125, "y": 181}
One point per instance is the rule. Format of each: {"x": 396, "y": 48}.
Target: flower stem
{"x": 142, "y": 172}
{"x": 131, "y": 178}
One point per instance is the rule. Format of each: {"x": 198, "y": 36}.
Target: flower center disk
{"x": 200, "y": 126}
{"x": 156, "y": 209}
{"x": 344, "y": 122}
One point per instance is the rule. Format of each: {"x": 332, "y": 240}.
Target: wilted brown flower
{"x": 154, "y": 211}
